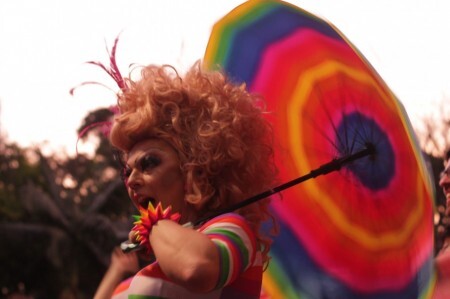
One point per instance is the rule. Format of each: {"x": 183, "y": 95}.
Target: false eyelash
{"x": 149, "y": 161}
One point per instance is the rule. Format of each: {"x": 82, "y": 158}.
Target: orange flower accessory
{"x": 143, "y": 224}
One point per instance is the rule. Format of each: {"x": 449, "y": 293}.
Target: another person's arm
{"x": 122, "y": 264}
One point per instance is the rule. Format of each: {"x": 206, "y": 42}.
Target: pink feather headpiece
{"x": 114, "y": 72}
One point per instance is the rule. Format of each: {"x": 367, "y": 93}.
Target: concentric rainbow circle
{"x": 372, "y": 231}
{"x": 362, "y": 222}
{"x": 365, "y": 231}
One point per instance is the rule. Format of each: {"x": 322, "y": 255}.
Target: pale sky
{"x": 44, "y": 44}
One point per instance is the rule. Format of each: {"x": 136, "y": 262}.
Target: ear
{"x": 194, "y": 200}
{"x": 194, "y": 196}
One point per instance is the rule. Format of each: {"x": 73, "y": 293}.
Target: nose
{"x": 134, "y": 179}
{"x": 442, "y": 181}
{"x": 445, "y": 179}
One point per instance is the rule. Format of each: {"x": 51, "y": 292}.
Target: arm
{"x": 210, "y": 258}
{"x": 442, "y": 287}
{"x": 186, "y": 256}
{"x": 121, "y": 265}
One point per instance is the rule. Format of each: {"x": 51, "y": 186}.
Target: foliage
{"x": 434, "y": 138}
{"x": 434, "y": 134}
{"x": 59, "y": 219}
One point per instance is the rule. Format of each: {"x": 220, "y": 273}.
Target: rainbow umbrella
{"x": 365, "y": 231}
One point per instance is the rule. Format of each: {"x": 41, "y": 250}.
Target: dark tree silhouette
{"x": 434, "y": 132}
{"x": 60, "y": 219}
{"x": 434, "y": 136}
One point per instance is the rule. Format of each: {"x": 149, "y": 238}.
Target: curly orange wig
{"x": 223, "y": 141}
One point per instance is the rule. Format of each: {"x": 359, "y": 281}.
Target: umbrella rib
{"x": 348, "y": 148}
{"x": 327, "y": 112}
{"x": 357, "y": 135}
{"x": 316, "y": 127}
{"x": 361, "y": 136}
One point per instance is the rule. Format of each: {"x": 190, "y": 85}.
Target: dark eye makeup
{"x": 149, "y": 161}
{"x": 146, "y": 162}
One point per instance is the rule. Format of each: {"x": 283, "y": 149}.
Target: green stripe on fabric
{"x": 224, "y": 270}
{"x": 235, "y": 239}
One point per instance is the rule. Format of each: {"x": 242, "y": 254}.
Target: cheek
{"x": 173, "y": 181}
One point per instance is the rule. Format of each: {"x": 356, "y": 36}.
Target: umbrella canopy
{"x": 365, "y": 231}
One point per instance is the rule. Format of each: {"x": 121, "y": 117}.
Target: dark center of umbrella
{"x": 354, "y": 133}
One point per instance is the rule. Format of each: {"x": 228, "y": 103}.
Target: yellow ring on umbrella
{"x": 365, "y": 237}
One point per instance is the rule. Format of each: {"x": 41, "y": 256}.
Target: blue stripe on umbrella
{"x": 255, "y": 37}
{"x": 309, "y": 278}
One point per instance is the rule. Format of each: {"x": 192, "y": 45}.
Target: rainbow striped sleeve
{"x": 236, "y": 243}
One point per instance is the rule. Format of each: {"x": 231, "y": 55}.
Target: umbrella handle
{"x": 331, "y": 166}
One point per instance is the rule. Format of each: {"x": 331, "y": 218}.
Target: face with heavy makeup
{"x": 153, "y": 174}
{"x": 444, "y": 182}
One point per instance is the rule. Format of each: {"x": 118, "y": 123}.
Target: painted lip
{"x": 143, "y": 201}
{"x": 135, "y": 196}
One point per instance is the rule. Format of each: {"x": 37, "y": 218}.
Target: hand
{"x": 124, "y": 263}
{"x": 120, "y": 266}
{"x": 133, "y": 236}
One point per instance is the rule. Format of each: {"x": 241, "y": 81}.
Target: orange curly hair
{"x": 224, "y": 143}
